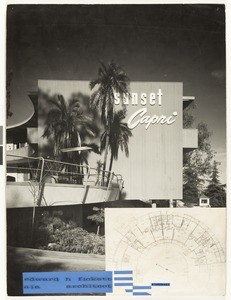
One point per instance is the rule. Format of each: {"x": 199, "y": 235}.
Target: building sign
{"x": 153, "y": 169}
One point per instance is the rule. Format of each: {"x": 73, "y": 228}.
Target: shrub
{"x": 55, "y": 234}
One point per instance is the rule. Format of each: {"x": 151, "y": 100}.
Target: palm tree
{"x": 97, "y": 218}
{"x": 111, "y": 79}
{"x": 118, "y": 138}
{"x": 65, "y": 123}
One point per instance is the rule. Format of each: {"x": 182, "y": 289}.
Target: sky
{"x": 176, "y": 43}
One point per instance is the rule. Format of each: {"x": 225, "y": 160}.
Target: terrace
{"x": 37, "y": 182}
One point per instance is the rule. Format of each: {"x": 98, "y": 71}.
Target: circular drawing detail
{"x": 169, "y": 247}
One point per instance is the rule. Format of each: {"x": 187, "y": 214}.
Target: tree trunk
{"x": 110, "y": 168}
{"x": 33, "y": 222}
{"x": 111, "y": 162}
{"x": 41, "y": 192}
{"x": 105, "y": 157}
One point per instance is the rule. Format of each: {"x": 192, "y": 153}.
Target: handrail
{"x": 89, "y": 170}
{"x": 42, "y": 169}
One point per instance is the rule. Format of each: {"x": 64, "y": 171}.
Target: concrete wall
{"x": 190, "y": 138}
{"x": 20, "y": 194}
{"x": 154, "y": 167}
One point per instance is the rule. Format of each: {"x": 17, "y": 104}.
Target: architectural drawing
{"x": 181, "y": 248}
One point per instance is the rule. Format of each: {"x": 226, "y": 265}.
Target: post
{"x": 85, "y": 190}
{"x": 109, "y": 182}
{"x": 41, "y": 184}
{"x": 42, "y": 167}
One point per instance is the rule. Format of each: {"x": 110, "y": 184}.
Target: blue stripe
{"x": 129, "y": 290}
{"x": 123, "y": 284}
{"x": 123, "y": 272}
{"x": 123, "y": 278}
{"x": 140, "y": 287}
{"x": 55, "y": 282}
{"x": 141, "y": 294}
{"x": 161, "y": 284}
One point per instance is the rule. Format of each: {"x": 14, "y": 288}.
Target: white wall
{"x": 20, "y": 194}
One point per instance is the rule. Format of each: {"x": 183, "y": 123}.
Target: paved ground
{"x": 32, "y": 260}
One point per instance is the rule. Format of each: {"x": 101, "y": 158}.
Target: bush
{"x": 55, "y": 234}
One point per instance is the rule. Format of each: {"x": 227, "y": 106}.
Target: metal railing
{"x": 46, "y": 170}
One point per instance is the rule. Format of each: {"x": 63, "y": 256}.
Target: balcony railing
{"x": 46, "y": 170}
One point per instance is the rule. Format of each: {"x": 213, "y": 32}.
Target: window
{"x": 204, "y": 201}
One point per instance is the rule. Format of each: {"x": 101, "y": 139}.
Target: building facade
{"x": 154, "y": 114}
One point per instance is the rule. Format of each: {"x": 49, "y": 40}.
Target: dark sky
{"x": 154, "y": 43}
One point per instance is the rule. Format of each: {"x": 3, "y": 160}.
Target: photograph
{"x": 115, "y": 149}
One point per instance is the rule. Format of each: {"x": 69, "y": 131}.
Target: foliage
{"x": 200, "y": 159}
{"x": 111, "y": 79}
{"x": 53, "y": 233}
{"x": 97, "y": 218}
{"x": 215, "y": 191}
{"x": 197, "y": 165}
{"x": 118, "y": 137}
{"x": 188, "y": 118}
{"x": 190, "y": 187}
{"x": 123, "y": 195}
{"x": 67, "y": 124}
